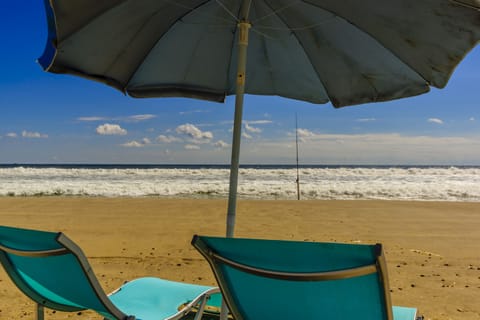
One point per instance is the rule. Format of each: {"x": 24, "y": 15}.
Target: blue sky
{"x": 47, "y": 118}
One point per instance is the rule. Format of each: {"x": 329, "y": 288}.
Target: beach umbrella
{"x": 345, "y": 52}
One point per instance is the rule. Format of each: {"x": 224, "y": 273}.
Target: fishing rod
{"x": 296, "y": 144}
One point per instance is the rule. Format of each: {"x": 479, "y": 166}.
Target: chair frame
{"x": 70, "y": 247}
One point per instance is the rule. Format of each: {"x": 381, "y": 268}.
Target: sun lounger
{"x": 271, "y": 280}
{"x": 53, "y": 271}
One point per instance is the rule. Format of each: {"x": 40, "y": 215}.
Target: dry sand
{"x": 432, "y": 248}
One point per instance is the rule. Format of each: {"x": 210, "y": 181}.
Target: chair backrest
{"x": 270, "y": 279}
{"x": 53, "y": 271}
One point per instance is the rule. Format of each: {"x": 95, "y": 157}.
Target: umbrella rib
{"x": 265, "y": 50}
{"x": 119, "y": 2}
{"x": 468, "y": 5}
{"x": 226, "y": 10}
{"x": 206, "y": 15}
{"x": 376, "y": 39}
{"x": 119, "y": 54}
{"x": 117, "y": 83}
{"x": 293, "y": 31}
{"x": 190, "y": 60}
{"x": 158, "y": 39}
{"x": 301, "y": 44}
{"x": 139, "y": 31}
{"x": 232, "y": 47}
{"x": 275, "y": 12}
{"x": 311, "y": 26}
{"x": 263, "y": 34}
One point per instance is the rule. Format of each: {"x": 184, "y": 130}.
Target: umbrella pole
{"x": 243, "y": 28}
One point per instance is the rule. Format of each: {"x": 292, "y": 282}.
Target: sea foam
{"x": 350, "y": 182}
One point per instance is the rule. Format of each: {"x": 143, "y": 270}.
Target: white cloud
{"x": 133, "y": 118}
{"x": 246, "y": 135}
{"x": 141, "y": 117}
{"x": 221, "y": 144}
{"x": 259, "y": 121}
{"x": 366, "y": 120}
{"x": 111, "y": 129}
{"x": 304, "y": 133}
{"x": 191, "y": 147}
{"x": 133, "y": 144}
{"x": 249, "y": 128}
{"x": 167, "y": 139}
{"x": 11, "y": 135}
{"x": 137, "y": 144}
{"x": 92, "y": 119}
{"x": 193, "y": 111}
{"x": 435, "y": 120}
{"x": 34, "y": 135}
{"x": 193, "y": 132}
{"x": 472, "y": 119}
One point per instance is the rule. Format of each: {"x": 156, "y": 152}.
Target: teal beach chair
{"x": 271, "y": 280}
{"x": 52, "y": 270}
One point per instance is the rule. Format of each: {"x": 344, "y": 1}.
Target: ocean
{"x": 425, "y": 183}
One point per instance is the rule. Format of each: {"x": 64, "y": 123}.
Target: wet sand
{"x": 432, "y": 248}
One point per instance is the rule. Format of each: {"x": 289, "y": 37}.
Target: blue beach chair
{"x": 52, "y": 270}
{"x": 271, "y": 280}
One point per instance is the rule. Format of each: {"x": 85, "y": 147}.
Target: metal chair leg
{"x": 201, "y": 308}
{"x": 39, "y": 312}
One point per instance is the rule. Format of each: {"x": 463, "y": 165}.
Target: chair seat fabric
{"x": 404, "y": 313}
{"x": 153, "y": 298}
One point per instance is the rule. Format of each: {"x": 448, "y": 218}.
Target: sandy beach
{"x": 432, "y": 248}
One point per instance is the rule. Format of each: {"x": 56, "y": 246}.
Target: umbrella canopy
{"x": 344, "y": 52}
{"x": 347, "y": 52}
